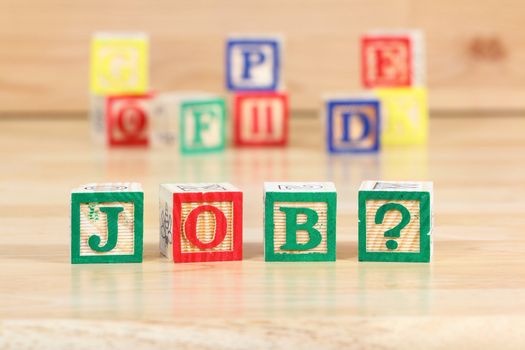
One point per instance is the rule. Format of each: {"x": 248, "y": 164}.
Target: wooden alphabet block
{"x": 165, "y": 119}
{"x": 200, "y": 222}
{"x": 253, "y": 63}
{"x": 119, "y": 63}
{"x": 405, "y": 112}
{"x": 128, "y": 119}
{"x": 97, "y": 118}
{"x": 392, "y": 59}
{"x": 395, "y": 221}
{"x": 107, "y": 223}
{"x": 202, "y": 125}
{"x": 261, "y": 119}
{"x": 353, "y": 124}
{"x": 299, "y": 221}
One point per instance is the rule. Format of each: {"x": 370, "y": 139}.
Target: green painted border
{"x": 77, "y": 198}
{"x": 329, "y": 197}
{"x": 425, "y": 226}
{"x": 188, "y": 104}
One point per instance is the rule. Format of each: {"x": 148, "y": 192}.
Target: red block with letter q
{"x": 128, "y": 119}
{"x": 200, "y": 222}
{"x": 261, "y": 119}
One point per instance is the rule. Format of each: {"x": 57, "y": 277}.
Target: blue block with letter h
{"x": 353, "y": 125}
{"x": 253, "y": 64}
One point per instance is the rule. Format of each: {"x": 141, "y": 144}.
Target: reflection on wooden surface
{"x": 472, "y": 294}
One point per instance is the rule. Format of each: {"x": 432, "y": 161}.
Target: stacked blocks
{"x": 261, "y": 119}
{"x": 119, "y": 68}
{"x": 200, "y": 222}
{"x": 253, "y": 72}
{"x": 164, "y": 119}
{"x": 299, "y": 221}
{"x": 406, "y": 116}
{"x": 395, "y": 221}
{"x": 353, "y": 124}
{"x": 392, "y": 59}
{"x": 393, "y": 63}
{"x": 107, "y": 223}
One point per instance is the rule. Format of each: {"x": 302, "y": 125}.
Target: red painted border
{"x": 364, "y": 63}
{"x": 235, "y": 254}
{"x": 110, "y": 122}
{"x": 238, "y": 100}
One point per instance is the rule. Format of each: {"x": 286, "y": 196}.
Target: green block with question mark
{"x": 395, "y": 221}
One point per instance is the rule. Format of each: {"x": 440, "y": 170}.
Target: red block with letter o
{"x": 206, "y": 225}
{"x": 261, "y": 119}
{"x": 127, "y": 120}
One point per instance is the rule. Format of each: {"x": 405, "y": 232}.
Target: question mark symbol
{"x": 395, "y": 231}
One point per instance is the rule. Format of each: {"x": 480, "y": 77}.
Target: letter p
{"x": 251, "y": 58}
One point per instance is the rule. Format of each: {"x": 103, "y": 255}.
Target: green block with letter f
{"x": 202, "y": 126}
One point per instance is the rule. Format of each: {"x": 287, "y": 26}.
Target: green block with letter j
{"x": 107, "y": 223}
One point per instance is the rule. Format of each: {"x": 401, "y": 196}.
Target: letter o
{"x": 190, "y": 227}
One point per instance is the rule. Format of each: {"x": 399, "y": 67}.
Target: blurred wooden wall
{"x": 475, "y": 49}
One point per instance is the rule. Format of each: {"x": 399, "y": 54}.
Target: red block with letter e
{"x": 261, "y": 119}
{"x": 392, "y": 59}
{"x": 200, "y": 222}
{"x": 127, "y": 120}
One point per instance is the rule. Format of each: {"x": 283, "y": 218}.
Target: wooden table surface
{"x": 472, "y": 295}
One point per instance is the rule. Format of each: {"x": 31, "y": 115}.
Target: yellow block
{"x": 119, "y": 64}
{"x": 405, "y": 116}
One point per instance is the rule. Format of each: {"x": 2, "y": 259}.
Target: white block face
{"x": 254, "y": 64}
{"x": 109, "y": 187}
{"x": 405, "y": 186}
{"x": 200, "y": 187}
{"x": 97, "y": 116}
{"x": 166, "y": 223}
{"x": 206, "y": 130}
{"x": 164, "y": 117}
{"x": 299, "y": 187}
{"x": 262, "y": 119}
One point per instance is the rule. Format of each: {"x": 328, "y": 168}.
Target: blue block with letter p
{"x": 253, "y": 64}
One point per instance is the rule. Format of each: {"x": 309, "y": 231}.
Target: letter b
{"x": 292, "y": 226}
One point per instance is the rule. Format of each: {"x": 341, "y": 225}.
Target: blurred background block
{"x": 474, "y": 58}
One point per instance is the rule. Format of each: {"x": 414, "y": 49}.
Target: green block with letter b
{"x": 299, "y": 221}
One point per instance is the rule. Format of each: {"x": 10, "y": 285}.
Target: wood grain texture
{"x": 206, "y": 227}
{"x": 472, "y": 295}
{"x": 474, "y": 50}
{"x": 409, "y": 240}
{"x": 99, "y": 226}
{"x": 303, "y": 237}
